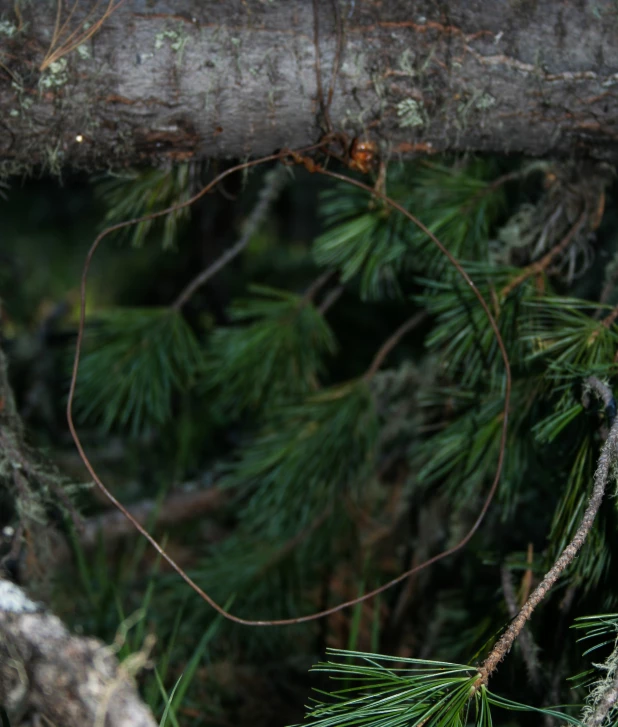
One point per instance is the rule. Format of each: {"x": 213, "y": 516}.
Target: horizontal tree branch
{"x": 236, "y": 79}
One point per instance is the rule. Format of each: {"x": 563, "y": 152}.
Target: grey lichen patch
{"x": 411, "y": 113}
{"x": 14, "y": 600}
{"x": 53, "y": 160}
{"x": 55, "y": 75}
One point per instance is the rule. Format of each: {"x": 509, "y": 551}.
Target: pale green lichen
{"x": 83, "y": 51}
{"x": 7, "y": 28}
{"x": 177, "y": 39}
{"x": 479, "y": 100}
{"x": 406, "y": 62}
{"x": 53, "y": 160}
{"x": 55, "y": 75}
{"x": 485, "y": 101}
{"x": 410, "y": 113}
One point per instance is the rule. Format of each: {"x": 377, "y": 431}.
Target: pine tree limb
{"x": 609, "y": 319}
{"x": 177, "y": 507}
{"x": 491, "y": 188}
{"x": 607, "y": 461}
{"x": 608, "y": 287}
{"x": 297, "y": 157}
{"x": 274, "y": 183}
{"x": 316, "y": 286}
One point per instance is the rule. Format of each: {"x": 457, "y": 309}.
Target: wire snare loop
{"x": 357, "y": 155}
{"x": 296, "y": 157}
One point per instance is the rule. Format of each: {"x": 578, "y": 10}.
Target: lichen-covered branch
{"x": 72, "y": 681}
{"x": 236, "y": 79}
{"x": 607, "y": 461}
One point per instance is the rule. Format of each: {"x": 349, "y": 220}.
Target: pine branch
{"x": 611, "y": 277}
{"x": 453, "y": 261}
{"x": 316, "y": 286}
{"x": 606, "y": 462}
{"x": 273, "y": 184}
{"x": 276, "y": 356}
{"x": 151, "y": 352}
{"x": 176, "y": 508}
{"x": 417, "y": 693}
{"x": 609, "y": 319}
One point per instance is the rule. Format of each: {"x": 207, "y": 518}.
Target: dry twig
{"x": 65, "y": 40}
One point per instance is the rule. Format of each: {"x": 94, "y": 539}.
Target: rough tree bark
{"x": 45, "y": 671}
{"x": 183, "y": 79}
{"x": 72, "y": 680}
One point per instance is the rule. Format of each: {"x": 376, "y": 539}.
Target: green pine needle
{"x": 567, "y": 410}
{"x": 562, "y": 333}
{"x": 142, "y": 192}
{"x": 307, "y": 455}
{"x": 372, "y": 244}
{"x": 459, "y": 205}
{"x": 134, "y": 360}
{"x": 428, "y": 693}
{"x": 468, "y": 347}
{"x": 367, "y": 239}
{"x": 589, "y": 569}
{"x": 603, "y": 628}
{"x": 464, "y": 454}
{"x": 276, "y": 355}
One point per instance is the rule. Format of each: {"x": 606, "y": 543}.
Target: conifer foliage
{"x": 335, "y": 477}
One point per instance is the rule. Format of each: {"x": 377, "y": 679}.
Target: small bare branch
{"x": 607, "y": 460}
{"x": 274, "y": 183}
